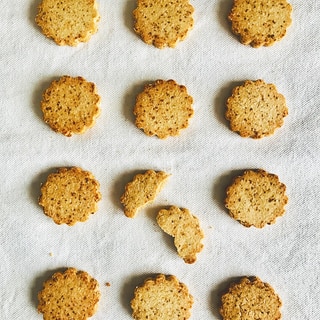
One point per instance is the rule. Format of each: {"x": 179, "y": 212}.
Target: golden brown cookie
{"x": 72, "y": 294}
{"x": 162, "y": 298}
{"x": 163, "y": 23}
{"x": 70, "y": 105}
{"x": 68, "y": 22}
{"x": 186, "y": 230}
{"x": 163, "y": 108}
{"x": 256, "y": 198}
{"x": 250, "y": 299}
{"x": 260, "y": 22}
{"x": 142, "y": 190}
{"x": 70, "y": 195}
{"x": 256, "y": 109}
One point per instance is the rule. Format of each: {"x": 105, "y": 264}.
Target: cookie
{"x": 141, "y": 190}
{"x": 162, "y": 298}
{"x": 186, "y": 230}
{"x": 68, "y": 22}
{"x": 256, "y": 198}
{"x": 70, "y": 195}
{"x": 72, "y": 294}
{"x": 163, "y": 23}
{"x": 259, "y": 22}
{"x": 70, "y": 105}
{"x": 256, "y": 109}
{"x": 163, "y": 108}
{"x": 250, "y": 299}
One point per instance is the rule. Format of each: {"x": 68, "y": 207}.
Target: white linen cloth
{"x": 201, "y": 161}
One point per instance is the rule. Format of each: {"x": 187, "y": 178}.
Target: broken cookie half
{"x": 185, "y": 228}
{"x": 141, "y": 190}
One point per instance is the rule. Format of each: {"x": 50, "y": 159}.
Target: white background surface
{"x": 202, "y": 161}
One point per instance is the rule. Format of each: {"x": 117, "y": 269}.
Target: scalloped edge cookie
{"x": 72, "y": 294}
{"x": 163, "y": 23}
{"x": 162, "y": 298}
{"x": 70, "y": 105}
{"x": 68, "y": 22}
{"x": 163, "y": 109}
{"x": 70, "y": 195}
{"x": 249, "y": 299}
{"x": 260, "y": 23}
{"x": 256, "y": 109}
{"x": 256, "y": 198}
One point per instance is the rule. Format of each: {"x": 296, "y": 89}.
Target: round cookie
{"x": 162, "y": 298}
{"x": 142, "y": 190}
{"x": 259, "y": 22}
{"x": 256, "y": 109}
{"x": 70, "y": 105}
{"x": 70, "y": 295}
{"x": 68, "y": 22}
{"x": 163, "y": 23}
{"x": 186, "y": 230}
{"x": 70, "y": 195}
{"x": 256, "y": 198}
{"x": 163, "y": 108}
{"x": 250, "y": 299}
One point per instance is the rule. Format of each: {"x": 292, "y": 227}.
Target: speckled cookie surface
{"x": 256, "y": 109}
{"x": 260, "y": 22}
{"x": 256, "y": 198}
{"x": 72, "y": 294}
{"x": 250, "y": 299}
{"x": 163, "y": 109}
{"x": 70, "y": 105}
{"x": 186, "y": 230}
{"x": 141, "y": 190}
{"x": 68, "y": 22}
{"x": 163, "y": 23}
{"x": 162, "y": 298}
{"x": 70, "y": 195}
